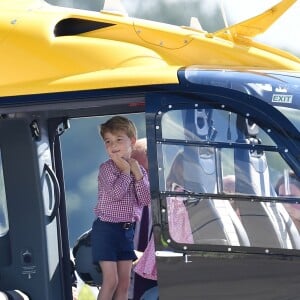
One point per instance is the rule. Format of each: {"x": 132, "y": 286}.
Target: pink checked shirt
{"x": 120, "y": 197}
{"x": 180, "y": 231}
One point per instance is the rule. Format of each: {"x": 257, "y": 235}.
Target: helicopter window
{"x": 208, "y": 144}
{"x": 291, "y": 114}
{"x": 208, "y": 125}
{"x": 4, "y": 227}
{"x": 214, "y": 168}
{"x": 208, "y": 221}
{"x": 205, "y": 169}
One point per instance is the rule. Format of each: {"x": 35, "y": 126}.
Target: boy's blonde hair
{"x": 118, "y": 123}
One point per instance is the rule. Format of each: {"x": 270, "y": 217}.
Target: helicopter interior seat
{"x": 213, "y": 221}
{"x": 264, "y": 222}
{"x": 13, "y": 295}
{"x": 205, "y": 224}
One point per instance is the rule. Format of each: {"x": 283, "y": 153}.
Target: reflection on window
{"x": 291, "y": 114}
{"x": 232, "y": 223}
{"x": 288, "y": 185}
{"x": 178, "y": 220}
{"x": 215, "y": 152}
{"x": 190, "y": 167}
{"x": 203, "y": 168}
{"x": 224, "y": 171}
{"x": 211, "y": 125}
{"x": 3, "y": 207}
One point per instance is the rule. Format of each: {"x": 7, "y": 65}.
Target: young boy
{"x": 123, "y": 190}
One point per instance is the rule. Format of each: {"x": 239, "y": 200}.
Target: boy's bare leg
{"x": 110, "y": 280}
{"x": 124, "y": 271}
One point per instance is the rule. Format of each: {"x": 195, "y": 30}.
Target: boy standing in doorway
{"x": 123, "y": 190}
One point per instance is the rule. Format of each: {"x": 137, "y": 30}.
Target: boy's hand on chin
{"x": 121, "y": 163}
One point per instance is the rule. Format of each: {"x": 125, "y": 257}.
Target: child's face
{"x": 118, "y": 143}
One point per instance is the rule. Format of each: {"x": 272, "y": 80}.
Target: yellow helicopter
{"x": 104, "y": 50}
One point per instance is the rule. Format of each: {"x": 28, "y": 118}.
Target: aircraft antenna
{"x": 223, "y": 12}
{"x": 195, "y": 24}
{"x": 114, "y": 6}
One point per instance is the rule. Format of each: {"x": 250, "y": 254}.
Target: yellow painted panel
{"x": 128, "y": 52}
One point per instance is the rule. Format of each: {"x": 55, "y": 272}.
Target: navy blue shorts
{"x": 112, "y": 242}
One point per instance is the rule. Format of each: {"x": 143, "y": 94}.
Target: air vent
{"x": 74, "y": 26}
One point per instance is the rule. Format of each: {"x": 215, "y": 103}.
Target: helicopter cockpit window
{"x": 291, "y": 114}
{"x": 3, "y": 206}
{"x": 217, "y": 170}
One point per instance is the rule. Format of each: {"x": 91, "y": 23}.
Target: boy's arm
{"x": 135, "y": 169}
{"x": 142, "y": 188}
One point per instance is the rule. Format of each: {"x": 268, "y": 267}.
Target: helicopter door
{"x": 29, "y": 246}
{"x": 206, "y": 247}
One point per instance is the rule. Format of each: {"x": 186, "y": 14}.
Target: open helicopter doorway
{"x": 82, "y": 152}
